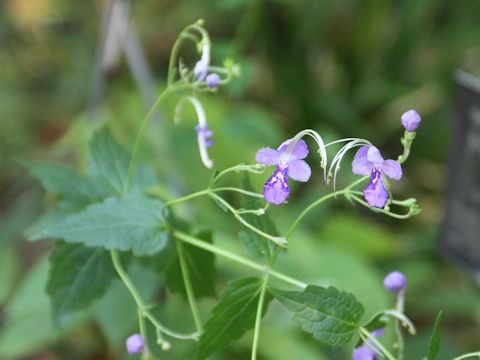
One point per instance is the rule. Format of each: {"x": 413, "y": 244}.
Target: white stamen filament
{"x": 202, "y": 121}
{"x": 353, "y": 142}
{"x": 318, "y": 139}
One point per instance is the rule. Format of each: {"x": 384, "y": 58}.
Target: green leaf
{"x": 109, "y": 163}
{"x": 330, "y": 315}
{"x": 74, "y": 190}
{"x": 78, "y": 275}
{"x": 256, "y": 245}
{"x": 435, "y": 340}
{"x": 200, "y": 264}
{"x": 233, "y": 315}
{"x": 134, "y": 223}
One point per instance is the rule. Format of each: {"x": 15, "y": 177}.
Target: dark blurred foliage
{"x": 345, "y": 68}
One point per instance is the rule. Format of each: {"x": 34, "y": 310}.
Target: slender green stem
{"x": 369, "y": 344}
{"x": 258, "y": 318}
{"x": 187, "y": 197}
{"x": 465, "y": 356}
{"x": 169, "y": 332}
{"x": 374, "y": 340}
{"x": 245, "y": 192}
{"x": 143, "y": 332}
{"x": 208, "y": 191}
{"x": 126, "y": 280}
{"x": 396, "y": 216}
{"x": 400, "y": 341}
{"x": 188, "y": 288}
{"x": 140, "y": 133}
{"x": 277, "y": 240}
{"x": 236, "y": 258}
{"x": 309, "y": 208}
{"x": 257, "y": 169}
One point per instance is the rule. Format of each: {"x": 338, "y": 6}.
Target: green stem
{"x": 126, "y": 280}
{"x": 167, "y": 331}
{"x": 143, "y": 332}
{"x": 277, "y": 240}
{"x": 258, "y": 318}
{"x": 464, "y": 356}
{"x": 236, "y": 258}
{"x": 396, "y": 216}
{"x": 365, "y": 341}
{"x": 374, "y": 340}
{"x": 257, "y": 169}
{"x": 188, "y": 288}
{"x": 309, "y": 208}
{"x": 401, "y": 342}
{"x": 208, "y": 191}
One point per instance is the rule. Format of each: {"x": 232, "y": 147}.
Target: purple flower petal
{"x": 361, "y": 165}
{"x": 392, "y": 169}
{"x": 267, "y": 156}
{"x": 300, "y": 151}
{"x": 299, "y": 170}
{"x": 375, "y": 193}
{"x": 276, "y": 188}
{"x": 374, "y": 155}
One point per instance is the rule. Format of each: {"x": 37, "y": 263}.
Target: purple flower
{"x": 365, "y": 352}
{"x": 368, "y": 161}
{"x": 135, "y": 344}
{"x": 212, "y": 80}
{"x": 411, "y": 120}
{"x": 276, "y": 189}
{"x": 201, "y": 67}
{"x": 203, "y": 133}
{"x": 395, "y": 281}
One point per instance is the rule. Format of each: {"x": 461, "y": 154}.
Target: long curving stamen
{"x": 321, "y": 147}
{"x": 337, "y": 159}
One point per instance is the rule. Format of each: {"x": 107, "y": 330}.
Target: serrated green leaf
{"x": 78, "y": 275}
{"x": 256, "y": 245}
{"x": 75, "y": 191}
{"x": 435, "y": 340}
{"x": 200, "y": 264}
{"x": 133, "y": 223}
{"x": 49, "y": 219}
{"x": 233, "y": 315}
{"x": 109, "y": 163}
{"x": 330, "y": 315}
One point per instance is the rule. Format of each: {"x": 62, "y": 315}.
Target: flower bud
{"x": 135, "y": 344}
{"x": 213, "y": 80}
{"x": 395, "y": 281}
{"x": 411, "y": 120}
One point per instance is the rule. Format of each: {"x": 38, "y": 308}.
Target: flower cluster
{"x": 367, "y": 162}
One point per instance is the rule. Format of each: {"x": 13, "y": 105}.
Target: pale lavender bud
{"x": 411, "y": 120}
{"x": 135, "y": 344}
{"x": 213, "y": 80}
{"x": 395, "y": 281}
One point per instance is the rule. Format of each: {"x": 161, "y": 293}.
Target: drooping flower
{"x": 395, "y": 281}
{"x": 411, "y": 120}
{"x": 212, "y": 80}
{"x": 203, "y": 131}
{"x": 290, "y": 163}
{"x": 365, "y": 352}
{"x": 201, "y": 67}
{"x": 135, "y": 344}
{"x": 369, "y": 162}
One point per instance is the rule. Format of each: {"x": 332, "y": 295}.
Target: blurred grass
{"x": 347, "y": 68}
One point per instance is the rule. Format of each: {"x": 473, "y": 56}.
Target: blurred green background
{"x": 344, "y": 68}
